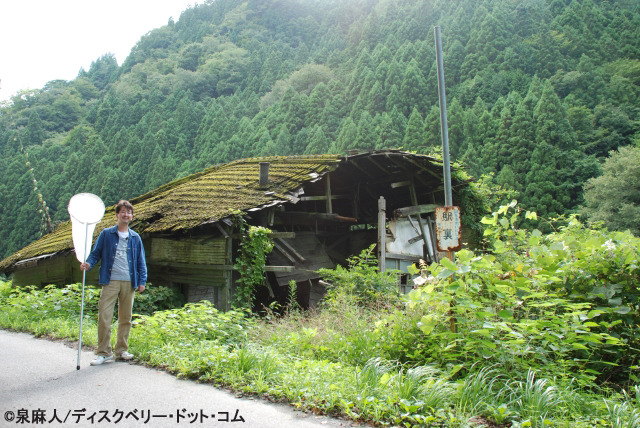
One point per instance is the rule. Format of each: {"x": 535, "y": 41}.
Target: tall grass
{"x": 330, "y": 361}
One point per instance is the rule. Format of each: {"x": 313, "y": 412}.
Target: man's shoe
{"x": 101, "y": 360}
{"x": 125, "y": 356}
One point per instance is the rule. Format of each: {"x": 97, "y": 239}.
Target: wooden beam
{"x": 415, "y": 239}
{"x": 421, "y": 167}
{"x": 402, "y": 256}
{"x": 358, "y": 167}
{"x": 317, "y": 216}
{"x": 329, "y": 207}
{"x": 200, "y": 267}
{"x": 418, "y": 209}
{"x": 191, "y": 266}
{"x": 221, "y": 229}
{"x": 279, "y": 268}
{"x": 323, "y": 198}
{"x": 400, "y": 184}
{"x": 292, "y": 250}
{"x": 383, "y": 169}
{"x": 283, "y": 251}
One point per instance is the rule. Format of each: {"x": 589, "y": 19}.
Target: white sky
{"x": 43, "y": 40}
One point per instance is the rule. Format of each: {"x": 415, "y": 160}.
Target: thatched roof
{"x": 215, "y": 193}
{"x": 198, "y": 199}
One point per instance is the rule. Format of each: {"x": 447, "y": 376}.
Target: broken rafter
{"x": 317, "y": 216}
{"x": 354, "y": 163}
{"x": 383, "y": 169}
{"x": 423, "y": 168}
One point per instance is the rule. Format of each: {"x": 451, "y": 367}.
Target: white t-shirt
{"x": 120, "y": 269}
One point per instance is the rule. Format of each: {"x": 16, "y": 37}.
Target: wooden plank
{"x": 354, "y": 163}
{"x": 292, "y": 250}
{"x": 283, "y": 251}
{"x": 383, "y": 169}
{"x": 279, "y": 268}
{"x": 222, "y": 231}
{"x": 401, "y": 256}
{"x": 191, "y": 266}
{"x": 329, "y": 206}
{"x": 415, "y": 210}
{"x": 400, "y": 184}
{"x": 416, "y": 239}
{"x": 323, "y": 198}
{"x": 316, "y": 216}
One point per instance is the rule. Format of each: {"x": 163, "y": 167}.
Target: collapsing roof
{"x": 214, "y": 194}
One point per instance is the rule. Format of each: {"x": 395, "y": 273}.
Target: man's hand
{"x": 141, "y": 288}
{"x": 84, "y": 266}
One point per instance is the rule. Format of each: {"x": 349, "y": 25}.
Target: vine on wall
{"x": 255, "y": 244}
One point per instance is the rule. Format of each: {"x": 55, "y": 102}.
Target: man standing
{"x": 123, "y": 271}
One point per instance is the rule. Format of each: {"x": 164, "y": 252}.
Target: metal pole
{"x": 84, "y": 275}
{"x": 448, "y": 197}
{"x": 382, "y": 233}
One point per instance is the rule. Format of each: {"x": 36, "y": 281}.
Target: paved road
{"x": 40, "y": 386}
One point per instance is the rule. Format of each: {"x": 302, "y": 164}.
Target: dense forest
{"x": 538, "y": 91}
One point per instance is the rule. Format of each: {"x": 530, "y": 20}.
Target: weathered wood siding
{"x": 193, "y": 263}
{"x": 54, "y": 270}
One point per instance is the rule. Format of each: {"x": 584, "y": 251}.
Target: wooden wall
{"x": 60, "y": 270}
{"x": 195, "y": 264}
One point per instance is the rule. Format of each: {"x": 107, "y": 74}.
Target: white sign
{"x": 448, "y": 230}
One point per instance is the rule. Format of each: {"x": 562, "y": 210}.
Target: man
{"x": 123, "y": 271}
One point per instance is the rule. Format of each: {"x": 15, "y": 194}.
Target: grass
{"x": 329, "y": 361}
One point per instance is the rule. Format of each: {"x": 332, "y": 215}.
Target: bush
{"x": 158, "y": 299}
{"x": 537, "y": 302}
{"x": 362, "y": 282}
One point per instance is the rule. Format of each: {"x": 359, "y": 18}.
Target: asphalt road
{"x": 40, "y": 386}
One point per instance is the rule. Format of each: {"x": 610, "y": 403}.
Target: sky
{"x": 44, "y": 40}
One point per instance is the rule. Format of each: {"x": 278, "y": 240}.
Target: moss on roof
{"x": 204, "y": 197}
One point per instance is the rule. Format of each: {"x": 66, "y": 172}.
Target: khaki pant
{"x": 123, "y": 293}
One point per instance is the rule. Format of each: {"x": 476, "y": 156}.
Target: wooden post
{"x": 414, "y": 201}
{"x": 382, "y": 233}
{"x": 328, "y": 195}
{"x": 224, "y": 295}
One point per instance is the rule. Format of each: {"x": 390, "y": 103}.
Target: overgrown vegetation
{"x": 538, "y": 331}
{"x": 255, "y": 244}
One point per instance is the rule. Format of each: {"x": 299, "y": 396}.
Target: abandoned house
{"x": 321, "y": 209}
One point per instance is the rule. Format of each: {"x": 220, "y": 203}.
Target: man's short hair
{"x": 124, "y": 204}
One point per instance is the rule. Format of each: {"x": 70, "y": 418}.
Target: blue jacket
{"x": 105, "y": 250}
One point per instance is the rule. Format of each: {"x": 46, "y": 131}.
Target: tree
{"x": 318, "y": 144}
{"x": 614, "y": 197}
{"x": 414, "y": 137}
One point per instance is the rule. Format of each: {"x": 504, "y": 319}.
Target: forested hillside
{"x": 539, "y": 92}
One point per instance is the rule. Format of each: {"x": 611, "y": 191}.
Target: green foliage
{"x": 614, "y": 197}
{"x": 52, "y": 301}
{"x": 251, "y": 260}
{"x": 565, "y": 303}
{"x": 362, "y": 282}
{"x": 531, "y": 328}
{"x": 155, "y": 299}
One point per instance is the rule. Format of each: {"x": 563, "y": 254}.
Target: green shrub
{"x": 155, "y": 299}
{"x": 362, "y": 282}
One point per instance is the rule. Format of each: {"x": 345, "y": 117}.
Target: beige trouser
{"x": 123, "y": 293}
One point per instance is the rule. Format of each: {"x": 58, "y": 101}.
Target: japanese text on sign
{"x": 448, "y": 228}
